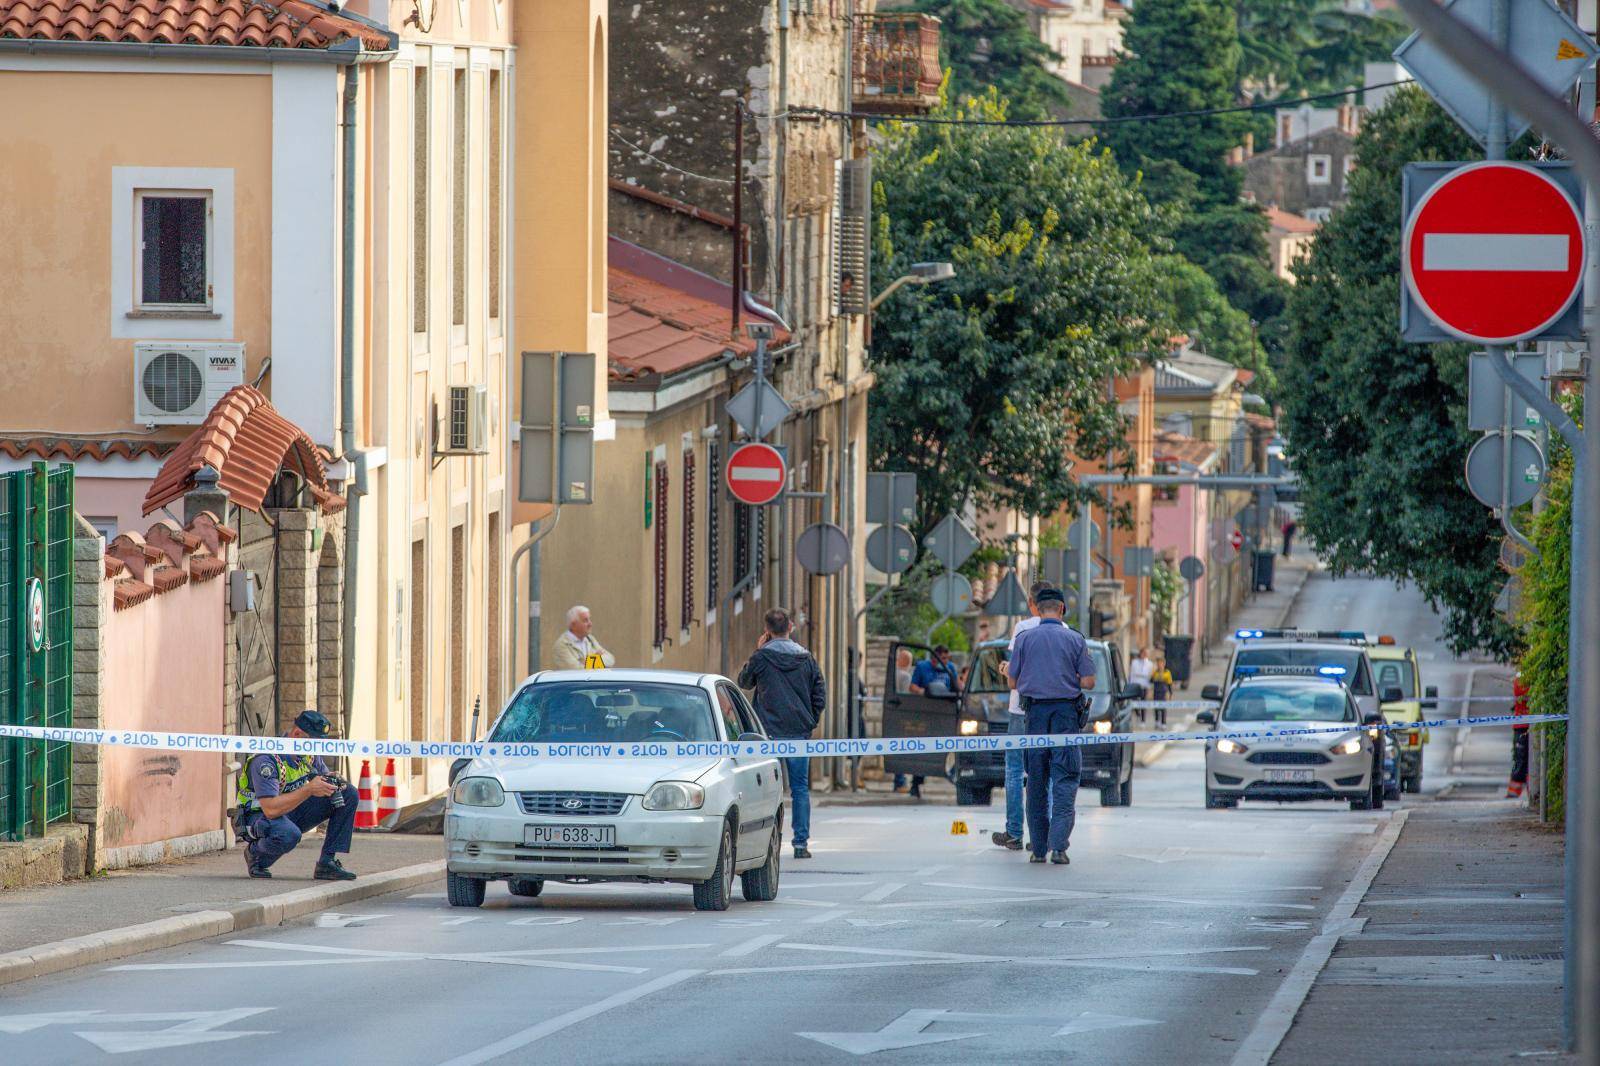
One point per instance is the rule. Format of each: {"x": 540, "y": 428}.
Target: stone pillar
{"x": 91, "y": 598}
{"x": 297, "y": 615}
{"x": 205, "y": 496}
{"x": 330, "y": 617}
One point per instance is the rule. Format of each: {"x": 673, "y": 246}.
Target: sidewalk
{"x": 1459, "y": 955}
{"x": 55, "y": 927}
{"x": 1263, "y": 610}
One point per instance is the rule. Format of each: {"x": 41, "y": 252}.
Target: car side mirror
{"x": 751, "y": 737}
{"x": 1131, "y": 692}
{"x": 456, "y": 768}
{"x": 1211, "y": 692}
{"x": 1206, "y": 718}
{"x": 1391, "y": 694}
{"x": 1372, "y": 718}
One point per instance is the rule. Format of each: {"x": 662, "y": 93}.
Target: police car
{"x": 1345, "y": 764}
{"x": 1340, "y": 654}
{"x": 697, "y": 821}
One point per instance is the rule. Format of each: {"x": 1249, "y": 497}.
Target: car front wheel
{"x": 716, "y": 891}
{"x": 464, "y": 891}
{"x": 1217, "y": 802}
{"x": 761, "y": 884}
{"x": 525, "y": 886}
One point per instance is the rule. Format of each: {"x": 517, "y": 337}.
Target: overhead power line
{"x": 1113, "y": 121}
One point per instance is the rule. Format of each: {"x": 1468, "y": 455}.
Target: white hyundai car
{"x": 696, "y": 821}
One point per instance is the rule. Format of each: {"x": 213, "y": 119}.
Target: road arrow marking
{"x": 192, "y": 1027}
{"x": 26, "y": 1023}
{"x": 1090, "y": 1022}
{"x": 905, "y": 1031}
{"x": 335, "y": 920}
{"x": 118, "y": 1043}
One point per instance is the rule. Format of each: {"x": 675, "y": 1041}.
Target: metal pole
{"x": 1083, "y": 546}
{"x": 736, "y": 276}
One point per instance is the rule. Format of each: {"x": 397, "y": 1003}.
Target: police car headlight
{"x": 1231, "y": 747}
{"x": 1103, "y": 726}
{"x": 1352, "y": 746}
{"x": 478, "y": 792}
{"x": 674, "y": 796}
{"x": 969, "y": 727}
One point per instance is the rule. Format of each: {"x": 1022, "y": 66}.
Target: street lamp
{"x": 921, "y": 274}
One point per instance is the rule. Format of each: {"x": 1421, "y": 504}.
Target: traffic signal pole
{"x": 1504, "y": 78}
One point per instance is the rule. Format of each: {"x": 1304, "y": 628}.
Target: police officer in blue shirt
{"x": 282, "y": 796}
{"x": 1051, "y": 668}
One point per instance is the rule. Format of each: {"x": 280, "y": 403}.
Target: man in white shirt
{"x": 1140, "y": 672}
{"x": 1012, "y": 837}
{"x": 576, "y": 648}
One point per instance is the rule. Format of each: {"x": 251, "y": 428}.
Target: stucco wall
{"x": 73, "y": 128}
{"x": 163, "y": 670}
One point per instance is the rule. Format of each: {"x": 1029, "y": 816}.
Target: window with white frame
{"x": 1319, "y": 169}
{"x": 172, "y": 271}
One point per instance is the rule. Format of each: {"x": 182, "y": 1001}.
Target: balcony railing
{"x": 895, "y": 69}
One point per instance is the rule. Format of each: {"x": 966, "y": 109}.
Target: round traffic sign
{"x": 891, "y": 549}
{"x": 1236, "y": 539}
{"x": 756, "y": 473}
{"x": 1494, "y": 252}
{"x": 1190, "y": 568}
{"x": 952, "y": 594}
{"x": 33, "y": 598}
{"x": 822, "y": 548}
{"x": 1484, "y": 474}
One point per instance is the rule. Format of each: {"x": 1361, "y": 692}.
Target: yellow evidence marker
{"x": 958, "y": 829}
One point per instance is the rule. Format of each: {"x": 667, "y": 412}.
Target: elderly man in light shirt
{"x": 1012, "y": 837}
{"x": 577, "y": 647}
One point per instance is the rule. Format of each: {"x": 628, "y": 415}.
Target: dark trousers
{"x": 279, "y": 836}
{"x": 1053, "y": 775}
{"x": 1519, "y": 755}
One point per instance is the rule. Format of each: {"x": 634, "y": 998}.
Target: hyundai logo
{"x": 572, "y": 804}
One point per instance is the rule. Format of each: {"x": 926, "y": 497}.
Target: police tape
{"x": 225, "y": 744}
{"x": 1202, "y": 705}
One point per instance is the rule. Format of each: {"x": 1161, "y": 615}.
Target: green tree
{"x": 1377, "y": 428}
{"x": 985, "y": 381}
{"x": 1216, "y": 326}
{"x": 1310, "y": 46}
{"x": 989, "y": 44}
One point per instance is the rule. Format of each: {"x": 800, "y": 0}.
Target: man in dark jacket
{"x": 789, "y": 697}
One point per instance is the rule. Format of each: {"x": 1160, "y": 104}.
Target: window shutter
{"x": 661, "y": 555}
{"x": 687, "y": 599}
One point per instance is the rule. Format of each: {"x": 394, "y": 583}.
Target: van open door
{"x": 910, "y": 714}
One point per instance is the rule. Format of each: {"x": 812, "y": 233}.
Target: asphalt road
{"x": 1166, "y": 940}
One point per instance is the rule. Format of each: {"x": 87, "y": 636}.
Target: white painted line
{"x": 1273, "y": 1024}
{"x": 489, "y": 958}
{"x": 247, "y": 965}
{"x": 825, "y": 916}
{"x": 545, "y": 919}
{"x": 1534, "y": 252}
{"x": 522, "y": 1039}
{"x": 928, "y": 871}
{"x": 462, "y": 921}
{"x": 751, "y": 946}
{"x": 882, "y": 892}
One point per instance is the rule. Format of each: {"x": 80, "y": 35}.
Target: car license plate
{"x": 571, "y": 836}
{"x": 1289, "y": 777}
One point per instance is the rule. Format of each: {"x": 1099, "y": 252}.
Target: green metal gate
{"x": 36, "y": 533}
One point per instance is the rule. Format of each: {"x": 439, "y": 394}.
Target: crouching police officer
{"x": 282, "y": 796}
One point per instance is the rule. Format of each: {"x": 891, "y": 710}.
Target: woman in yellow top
{"x": 1161, "y": 688}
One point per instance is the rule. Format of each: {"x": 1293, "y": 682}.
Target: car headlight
{"x": 674, "y": 796}
{"x": 1231, "y": 747}
{"x": 1103, "y": 726}
{"x": 478, "y": 792}
{"x": 969, "y": 727}
{"x": 1351, "y": 746}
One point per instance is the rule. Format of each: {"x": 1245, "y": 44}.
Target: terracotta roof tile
{"x": 1175, "y": 447}
{"x": 251, "y": 23}
{"x": 247, "y": 442}
{"x": 128, "y": 593}
{"x": 656, "y": 328}
{"x": 167, "y": 578}
{"x": 114, "y": 566}
{"x": 75, "y": 448}
{"x": 205, "y": 567}
{"x": 1289, "y": 222}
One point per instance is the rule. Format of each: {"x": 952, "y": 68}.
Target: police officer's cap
{"x": 312, "y": 723}
{"x": 1050, "y": 595}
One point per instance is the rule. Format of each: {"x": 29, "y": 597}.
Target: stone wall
{"x": 92, "y": 604}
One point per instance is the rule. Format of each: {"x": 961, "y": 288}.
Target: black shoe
{"x": 252, "y": 864}
{"x": 916, "y": 792}
{"x": 330, "y": 870}
{"x": 1004, "y": 841}
{"x": 802, "y": 852}
{"x": 1059, "y": 858}
{"x": 1036, "y": 858}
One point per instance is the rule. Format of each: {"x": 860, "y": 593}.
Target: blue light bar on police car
{"x": 1332, "y": 671}
{"x": 1248, "y": 634}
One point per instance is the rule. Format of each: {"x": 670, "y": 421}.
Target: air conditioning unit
{"x": 176, "y": 383}
{"x": 466, "y": 428}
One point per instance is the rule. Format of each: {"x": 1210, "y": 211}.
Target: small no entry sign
{"x": 756, "y": 473}
{"x": 1494, "y": 253}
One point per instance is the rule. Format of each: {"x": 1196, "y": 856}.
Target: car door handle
{"x": 758, "y": 777}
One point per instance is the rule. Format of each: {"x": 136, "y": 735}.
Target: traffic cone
{"x": 366, "y": 809}
{"x": 388, "y": 798}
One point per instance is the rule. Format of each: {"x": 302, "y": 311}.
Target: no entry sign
{"x": 1494, "y": 252}
{"x": 756, "y": 473}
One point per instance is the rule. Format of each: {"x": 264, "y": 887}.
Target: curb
{"x": 110, "y": 944}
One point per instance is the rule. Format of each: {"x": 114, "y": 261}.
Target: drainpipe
{"x": 355, "y": 476}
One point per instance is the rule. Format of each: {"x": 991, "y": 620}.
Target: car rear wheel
{"x": 761, "y": 884}
{"x": 1216, "y": 802}
{"x": 1127, "y": 792}
{"x": 1111, "y": 796}
{"x": 716, "y": 891}
{"x": 973, "y": 796}
{"x": 1412, "y": 782}
{"x": 464, "y": 891}
{"x": 525, "y": 886}
{"x": 1362, "y": 803}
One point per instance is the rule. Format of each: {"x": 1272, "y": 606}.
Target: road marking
{"x": 636, "y": 919}
{"x": 751, "y": 946}
{"x": 1076, "y": 923}
{"x": 462, "y": 921}
{"x": 882, "y": 892}
{"x": 928, "y": 871}
{"x": 522, "y": 1039}
{"x": 876, "y": 923}
{"x": 335, "y": 920}
{"x": 1049, "y": 893}
{"x": 246, "y": 964}
{"x": 1273, "y": 1024}
{"x": 543, "y": 919}
{"x": 192, "y": 1027}
{"x": 982, "y": 923}
{"x": 826, "y": 916}
{"x": 1417, "y": 901}
{"x": 905, "y": 1031}
{"x": 506, "y": 958}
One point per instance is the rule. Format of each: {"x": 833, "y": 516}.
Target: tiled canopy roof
{"x": 253, "y": 23}
{"x": 73, "y": 449}
{"x": 1175, "y": 447}
{"x": 247, "y": 442}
